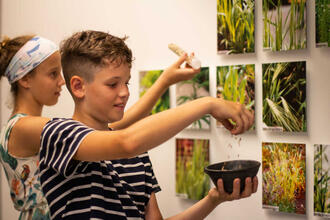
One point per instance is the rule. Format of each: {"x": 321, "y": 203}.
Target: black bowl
{"x": 230, "y": 170}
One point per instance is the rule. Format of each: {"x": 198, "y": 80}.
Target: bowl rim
{"x": 230, "y": 171}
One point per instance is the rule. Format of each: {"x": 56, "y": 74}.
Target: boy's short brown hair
{"x": 85, "y": 52}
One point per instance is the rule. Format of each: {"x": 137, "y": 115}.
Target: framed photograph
{"x": 284, "y": 96}
{"x": 147, "y": 79}
{"x": 322, "y": 23}
{"x": 284, "y": 23}
{"x": 235, "y": 21}
{"x": 197, "y": 87}
{"x": 321, "y": 180}
{"x": 284, "y": 177}
{"x": 236, "y": 83}
{"x": 192, "y": 155}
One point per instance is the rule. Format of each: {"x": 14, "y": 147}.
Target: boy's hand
{"x": 224, "y": 111}
{"x": 174, "y": 73}
{"x": 218, "y": 195}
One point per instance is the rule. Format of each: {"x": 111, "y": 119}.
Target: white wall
{"x": 151, "y": 25}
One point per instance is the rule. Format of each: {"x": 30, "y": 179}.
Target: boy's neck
{"x": 90, "y": 121}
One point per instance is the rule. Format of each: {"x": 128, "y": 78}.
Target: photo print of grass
{"x": 147, "y": 79}
{"x": 236, "y": 83}
{"x": 193, "y": 89}
{"x": 284, "y": 96}
{"x": 284, "y": 177}
{"x": 322, "y": 19}
{"x": 285, "y": 26}
{"x": 235, "y": 20}
{"x": 321, "y": 180}
{"x": 192, "y": 155}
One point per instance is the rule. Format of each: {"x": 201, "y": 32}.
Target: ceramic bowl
{"x": 230, "y": 170}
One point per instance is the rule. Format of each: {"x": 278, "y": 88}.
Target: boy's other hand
{"x": 218, "y": 195}
{"x": 175, "y": 73}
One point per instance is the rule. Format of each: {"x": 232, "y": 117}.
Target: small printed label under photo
{"x": 322, "y": 214}
{"x": 267, "y": 49}
{"x": 277, "y": 129}
{"x": 182, "y": 195}
{"x": 271, "y": 207}
{"x": 324, "y": 44}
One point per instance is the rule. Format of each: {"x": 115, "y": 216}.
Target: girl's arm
{"x": 144, "y": 105}
{"x": 205, "y": 206}
{"x": 156, "y": 129}
{"x": 24, "y": 139}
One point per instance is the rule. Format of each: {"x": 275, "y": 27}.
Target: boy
{"x": 89, "y": 172}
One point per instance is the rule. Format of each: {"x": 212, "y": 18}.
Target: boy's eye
{"x": 113, "y": 85}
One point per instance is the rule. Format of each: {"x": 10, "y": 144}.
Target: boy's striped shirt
{"x": 116, "y": 189}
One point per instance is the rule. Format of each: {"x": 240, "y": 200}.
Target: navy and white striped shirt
{"x": 116, "y": 189}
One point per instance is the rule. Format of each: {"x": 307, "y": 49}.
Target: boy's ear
{"x": 77, "y": 85}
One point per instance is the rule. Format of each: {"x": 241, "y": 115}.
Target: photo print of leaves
{"x": 284, "y": 177}
{"x": 322, "y": 19}
{"x": 284, "y": 23}
{"x": 147, "y": 79}
{"x": 235, "y": 20}
{"x": 284, "y": 96}
{"x": 321, "y": 180}
{"x": 236, "y": 83}
{"x": 192, "y": 155}
{"x": 197, "y": 87}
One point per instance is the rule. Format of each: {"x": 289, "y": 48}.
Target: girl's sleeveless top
{"x": 23, "y": 178}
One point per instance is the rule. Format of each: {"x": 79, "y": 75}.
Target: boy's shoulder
{"x": 63, "y": 128}
{"x": 64, "y": 122}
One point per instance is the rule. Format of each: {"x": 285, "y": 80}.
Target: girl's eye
{"x": 53, "y": 74}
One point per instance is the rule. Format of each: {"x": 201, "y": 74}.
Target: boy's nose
{"x": 124, "y": 91}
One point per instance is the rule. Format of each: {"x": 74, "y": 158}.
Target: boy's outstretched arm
{"x": 158, "y": 128}
{"x": 144, "y": 105}
{"x": 204, "y": 207}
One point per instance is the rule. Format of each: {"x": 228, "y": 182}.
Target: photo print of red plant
{"x": 284, "y": 96}
{"x": 235, "y": 20}
{"x": 192, "y": 156}
{"x": 284, "y": 177}
{"x": 236, "y": 83}
{"x": 284, "y": 24}
{"x": 197, "y": 87}
{"x": 147, "y": 79}
{"x": 321, "y": 180}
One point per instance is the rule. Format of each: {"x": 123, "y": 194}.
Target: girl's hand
{"x": 175, "y": 73}
{"x": 218, "y": 195}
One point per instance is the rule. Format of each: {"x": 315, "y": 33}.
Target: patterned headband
{"x": 29, "y": 57}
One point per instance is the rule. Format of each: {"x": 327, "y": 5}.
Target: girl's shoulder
{"x": 20, "y": 137}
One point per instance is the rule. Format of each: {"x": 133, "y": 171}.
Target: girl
{"x": 33, "y": 68}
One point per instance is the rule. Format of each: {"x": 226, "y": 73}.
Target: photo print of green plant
{"x": 193, "y": 89}
{"x": 235, "y": 20}
{"x": 236, "y": 83}
{"x": 192, "y": 155}
{"x": 321, "y": 180}
{"x": 284, "y": 24}
{"x": 284, "y": 96}
{"x": 284, "y": 177}
{"x": 147, "y": 79}
{"x": 322, "y": 19}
